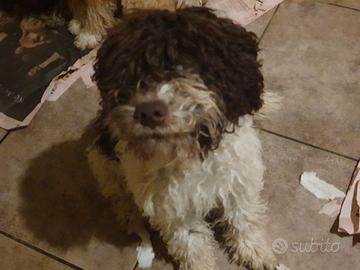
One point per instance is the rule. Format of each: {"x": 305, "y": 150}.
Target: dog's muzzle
{"x": 151, "y": 114}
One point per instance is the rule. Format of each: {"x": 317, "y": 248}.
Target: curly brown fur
{"x": 152, "y": 42}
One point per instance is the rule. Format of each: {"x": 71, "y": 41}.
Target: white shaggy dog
{"x": 176, "y": 140}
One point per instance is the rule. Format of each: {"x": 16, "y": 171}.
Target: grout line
{"x": 308, "y": 144}
{"x": 5, "y": 136}
{"x": 22, "y": 242}
{"x": 339, "y": 6}
{"x": 135, "y": 265}
{"x": 287, "y": 137}
{"x": 268, "y": 24}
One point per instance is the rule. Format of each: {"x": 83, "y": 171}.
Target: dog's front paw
{"x": 87, "y": 41}
{"x": 74, "y": 27}
{"x": 253, "y": 257}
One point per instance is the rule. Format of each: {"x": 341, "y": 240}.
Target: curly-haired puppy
{"x": 176, "y": 139}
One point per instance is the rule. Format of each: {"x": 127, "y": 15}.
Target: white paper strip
{"x": 281, "y": 267}
{"x": 320, "y": 188}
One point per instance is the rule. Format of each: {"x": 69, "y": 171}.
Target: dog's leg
{"x": 191, "y": 243}
{"x": 244, "y": 235}
{"x": 91, "y": 19}
{"x": 87, "y": 40}
{"x": 78, "y": 10}
{"x": 74, "y": 27}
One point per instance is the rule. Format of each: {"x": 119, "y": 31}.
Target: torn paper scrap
{"x": 331, "y": 209}
{"x": 242, "y": 11}
{"x": 81, "y": 69}
{"x": 320, "y": 188}
{"x": 145, "y": 256}
{"x": 349, "y": 218}
{"x": 281, "y": 267}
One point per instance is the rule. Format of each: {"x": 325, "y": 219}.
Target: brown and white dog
{"x": 92, "y": 18}
{"x": 176, "y": 142}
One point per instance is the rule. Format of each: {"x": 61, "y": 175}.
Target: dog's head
{"x": 177, "y": 78}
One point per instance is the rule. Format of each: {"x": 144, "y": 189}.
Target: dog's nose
{"x": 151, "y": 114}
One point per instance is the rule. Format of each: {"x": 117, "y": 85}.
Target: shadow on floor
{"x": 61, "y": 203}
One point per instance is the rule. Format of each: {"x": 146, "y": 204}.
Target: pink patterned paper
{"x": 242, "y": 11}
{"x": 349, "y": 221}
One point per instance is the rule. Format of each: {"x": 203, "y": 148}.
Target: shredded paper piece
{"x": 242, "y": 11}
{"x": 349, "y": 220}
{"x": 145, "y": 256}
{"x": 331, "y": 209}
{"x": 281, "y": 267}
{"x": 320, "y": 188}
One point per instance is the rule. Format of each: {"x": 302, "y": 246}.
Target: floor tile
{"x": 259, "y": 25}
{"x": 293, "y": 211}
{"x": 47, "y": 194}
{"x": 313, "y": 61}
{"x": 344, "y": 3}
{"x": 15, "y": 256}
{"x": 222, "y": 262}
{"x": 158, "y": 264}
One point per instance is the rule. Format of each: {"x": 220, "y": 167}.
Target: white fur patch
{"x": 165, "y": 88}
{"x": 145, "y": 256}
{"x": 74, "y": 27}
{"x": 87, "y": 40}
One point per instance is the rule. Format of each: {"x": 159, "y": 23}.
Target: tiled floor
{"x": 3, "y": 134}
{"x": 25, "y": 257}
{"x": 52, "y": 216}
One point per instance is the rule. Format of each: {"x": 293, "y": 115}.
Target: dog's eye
{"x": 122, "y": 97}
{"x": 141, "y": 85}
